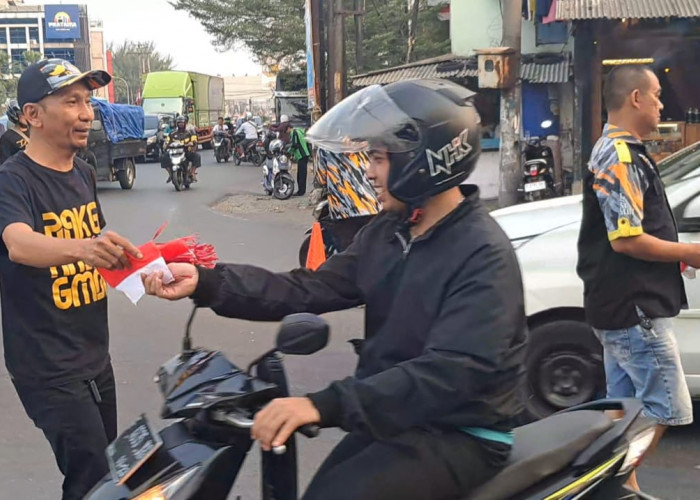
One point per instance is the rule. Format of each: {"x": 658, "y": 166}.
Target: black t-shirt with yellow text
{"x": 54, "y": 320}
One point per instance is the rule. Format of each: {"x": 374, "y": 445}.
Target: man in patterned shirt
{"x": 352, "y": 201}
{"x": 629, "y": 256}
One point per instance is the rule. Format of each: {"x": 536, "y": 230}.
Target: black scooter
{"x": 214, "y": 402}
{"x": 577, "y": 454}
{"x": 538, "y": 171}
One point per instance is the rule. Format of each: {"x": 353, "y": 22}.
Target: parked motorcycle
{"x": 253, "y": 154}
{"x": 580, "y": 453}
{"x": 181, "y": 167}
{"x": 222, "y": 147}
{"x": 277, "y": 180}
{"x": 538, "y": 171}
{"x": 213, "y": 403}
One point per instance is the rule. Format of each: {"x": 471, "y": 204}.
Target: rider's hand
{"x": 282, "y": 417}
{"x": 108, "y": 251}
{"x": 186, "y": 279}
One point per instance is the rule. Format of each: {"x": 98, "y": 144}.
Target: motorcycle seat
{"x": 539, "y": 161}
{"x": 543, "y": 448}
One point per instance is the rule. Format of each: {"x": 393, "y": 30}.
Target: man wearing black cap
{"x": 54, "y": 304}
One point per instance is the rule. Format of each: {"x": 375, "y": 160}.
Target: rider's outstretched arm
{"x": 253, "y": 293}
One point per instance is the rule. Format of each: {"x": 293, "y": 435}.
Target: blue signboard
{"x": 62, "y": 22}
{"x": 311, "y": 84}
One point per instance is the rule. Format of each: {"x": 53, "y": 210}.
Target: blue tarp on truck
{"x": 120, "y": 121}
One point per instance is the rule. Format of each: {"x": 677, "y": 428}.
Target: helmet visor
{"x": 367, "y": 120}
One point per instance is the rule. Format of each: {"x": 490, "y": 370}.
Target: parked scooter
{"x": 222, "y": 147}
{"x": 538, "y": 171}
{"x": 580, "y": 453}
{"x": 277, "y": 180}
{"x": 181, "y": 167}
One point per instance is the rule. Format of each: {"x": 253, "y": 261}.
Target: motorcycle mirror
{"x": 302, "y": 334}
{"x": 547, "y": 124}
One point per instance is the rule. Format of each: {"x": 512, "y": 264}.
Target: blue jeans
{"x": 644, "y": 363}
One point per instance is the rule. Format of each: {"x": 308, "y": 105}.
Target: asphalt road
{"x": 146, "y": 335}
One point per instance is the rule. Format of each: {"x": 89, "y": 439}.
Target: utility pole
{"x": 336, "y": 52}
{"x": 511, "y": 103}
{"x": 359, "y": 6}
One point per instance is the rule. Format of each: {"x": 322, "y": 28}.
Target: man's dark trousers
{"x": 78, "y": 419}
{"x": 302, "y": 166}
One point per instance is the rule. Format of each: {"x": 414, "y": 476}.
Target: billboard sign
{"x": 62, "y": 22}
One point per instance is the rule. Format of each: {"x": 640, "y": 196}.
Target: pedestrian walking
{"x": 54, "y": 301}
{"x": 629, "y": 256}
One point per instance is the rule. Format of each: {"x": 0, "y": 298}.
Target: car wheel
{"x": 564, "y": 368}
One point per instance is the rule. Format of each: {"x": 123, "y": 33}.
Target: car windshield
{"x": 154, "y": 106}
{"x": 682, "y": 165}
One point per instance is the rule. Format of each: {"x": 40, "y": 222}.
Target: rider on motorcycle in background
{"x": 250, "y": 130}
{"x": 189, "y": 140}
{"x": 222, "y": 128}
{"x": 429, "y": 412}
{"x": 283, "y": 129}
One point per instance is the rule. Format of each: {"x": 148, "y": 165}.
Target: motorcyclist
{"x": 14, "y": 139}
{"x": 229, "y": 125}
{"x": 283, "y": 129}
{"x": 250, "y": 130}
{"x": 430, "y": 409}
{"x": 189, "y": 139}
{"x": 222, "y": 128}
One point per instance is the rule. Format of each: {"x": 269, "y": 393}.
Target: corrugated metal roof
{"x": 568, "y": 10}
{"x": 457, "y": 67}
{"x": 439, "y": 67}
{"x": 557, "y": 72}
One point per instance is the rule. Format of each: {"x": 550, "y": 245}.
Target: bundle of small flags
{"x": 155, "y": 258}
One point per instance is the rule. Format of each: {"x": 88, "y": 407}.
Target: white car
{"x": 564, "y": 363}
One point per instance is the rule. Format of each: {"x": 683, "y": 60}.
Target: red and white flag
{"x": 129, "y": 281}
{"x": 156, "y": 257}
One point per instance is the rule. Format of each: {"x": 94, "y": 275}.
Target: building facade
{"x": 25, "y": 28}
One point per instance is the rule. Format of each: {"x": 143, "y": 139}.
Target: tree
{"x": 129, "y": 59}
{"x": 272, "y": 30}
{"x": 10, "y": 71}
{"x": 387, "y": 32}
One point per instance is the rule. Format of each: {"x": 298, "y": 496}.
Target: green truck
{"x": 201, "y": 97}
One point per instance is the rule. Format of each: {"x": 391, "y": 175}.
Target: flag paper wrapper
{"x": 129, "y": 280}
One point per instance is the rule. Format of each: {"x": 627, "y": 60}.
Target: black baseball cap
{"x": 47, "y": 76}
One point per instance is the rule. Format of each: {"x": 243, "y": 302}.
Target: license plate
{"x": 535, "y": 186}
{"x": 132, "y": 449}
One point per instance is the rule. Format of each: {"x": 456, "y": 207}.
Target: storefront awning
{"x": 534, "y": 69}
{"x": 571, "y": 10}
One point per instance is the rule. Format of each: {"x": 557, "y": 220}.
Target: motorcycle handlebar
{"x": 242, "y": 422}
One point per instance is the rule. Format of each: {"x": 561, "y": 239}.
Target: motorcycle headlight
{"x": 284, "y": 159}
{"x": 636, "y": 450}
{"x": 152, "y": 140}
{"x": 168, "y": 489}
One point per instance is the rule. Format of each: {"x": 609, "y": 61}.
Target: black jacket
{"x": 445, "y": 322}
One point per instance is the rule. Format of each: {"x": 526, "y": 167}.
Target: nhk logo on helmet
{"x": 449, "y": 154}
